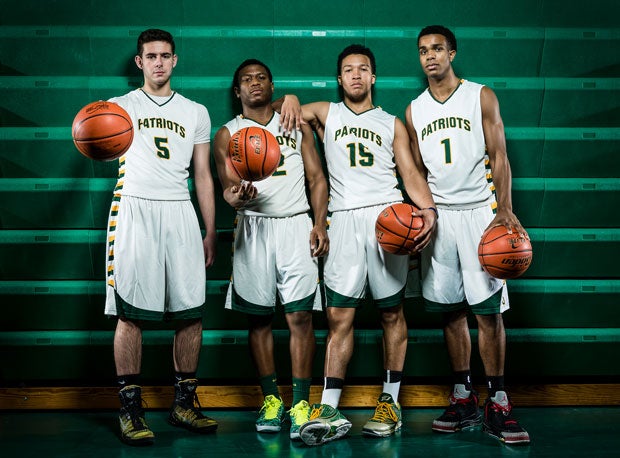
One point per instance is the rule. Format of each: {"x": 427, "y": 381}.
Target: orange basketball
{"x": 102, "y": 131}
{"x": 503, "y": 255}
{"x": 254, "y": 153}
{"x": 396, "y": 227}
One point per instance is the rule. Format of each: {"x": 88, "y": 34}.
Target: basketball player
{"x": 364, "y": 147}
{"x": 456, "y": 130}
{"x": 276, "y": 245}
{"x": 156, "y": 254}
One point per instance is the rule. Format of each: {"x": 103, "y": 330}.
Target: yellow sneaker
{"x": 185, "y": 411}
{"x": 299, "y": 414}
{"x": 271, "y": 415}
{"x": 386, "y": 420}
{"x": 134, "y": 430}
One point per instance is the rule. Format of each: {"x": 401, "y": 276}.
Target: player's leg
{"x": 128, "y": 250}
{"x": 185, "y": 300}
{"x": 489, "y": 299}
{"x": 302, "y": 346}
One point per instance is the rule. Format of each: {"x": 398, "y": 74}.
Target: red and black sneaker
{"x": 499, "y": 423}
{"x": 462, "y": 414}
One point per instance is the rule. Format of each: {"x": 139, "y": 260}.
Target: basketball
{"x": 396, "y": 227}
{"x": 503, "y": 255}
{"x": 102, "y": 131}
{"x": 254, "y": 153}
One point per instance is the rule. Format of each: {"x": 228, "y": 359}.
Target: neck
{"x": 443, "y": 88}
{"x": 359, "y": 106}
{"x": 159, "y": 91}
{"x": 261, "y": 114}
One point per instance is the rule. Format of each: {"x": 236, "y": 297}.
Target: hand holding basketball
{"x": 396, "y": 228}
{"x": 102, "y": 131}
{"x": 253, "y": 153}
{"x": 503, "y": 255}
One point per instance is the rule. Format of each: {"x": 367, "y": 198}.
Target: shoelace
{"x": 299, "y": 412}
{"x": 271, "y": 408}
{"x": 316, "y": 413}
{"x": 383, "y": 412}
{"x": 504, "y": 410}
{"x": 454, "y": 401}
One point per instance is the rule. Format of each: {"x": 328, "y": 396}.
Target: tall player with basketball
{"x": 276, "y": 244}
{"x": 456, "y": 129}
{"x": 156, "y": 253}
{"x": 364, "y": 147}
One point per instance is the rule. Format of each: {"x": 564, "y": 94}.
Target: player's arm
{"x": 317, "y": 185}
{"x": 293, "y": 115}
{"x": 495, "y": 139}
{"x": 235, "y": 193}
{"x": 203, "y": 181}
{"x": 413, "y": 174}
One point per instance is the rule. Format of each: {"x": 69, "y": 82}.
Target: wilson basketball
{"x": 503, "y": 255}
{"x": 102, "y": 131}
{"x": 254, "y": 153}
{"x": 396, "y": 227}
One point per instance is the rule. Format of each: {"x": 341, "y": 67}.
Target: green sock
{"x": 301, "y": 389}
{"x": 269, "y": 385}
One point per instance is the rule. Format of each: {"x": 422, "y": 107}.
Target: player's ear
{"x": 175, "y": 58}
{"x": 138, "y": 61}
{"x": 373, "y": 79}
{"x": 236, "y": 89}
{"x": 339, "y": 80}
{"x": 451, "y": 54}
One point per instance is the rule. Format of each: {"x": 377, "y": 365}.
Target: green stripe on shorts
{"x": 490, "y": 306}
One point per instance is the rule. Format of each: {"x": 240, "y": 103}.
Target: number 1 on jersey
{"x": 366, "y": 157}
{"x": 447, "y": 151}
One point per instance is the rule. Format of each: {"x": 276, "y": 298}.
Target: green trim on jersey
{"x": 490, "y": 306}
{"x": 239, "y": 304}
{"x": 126, "y": 310}
{"x": 335, "y": 299}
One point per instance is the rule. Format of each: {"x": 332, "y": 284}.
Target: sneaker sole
{"x": 204, "y": 430}
{"x": 313, "y": 433}
{"x": 373, "y": 433}
{"x": 146, "y": 441}
{"x": 268, "y": 429}
{"x": 462, "y": 426}
{"x": 519, "y": 439}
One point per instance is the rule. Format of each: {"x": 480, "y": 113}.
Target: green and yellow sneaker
{"x": 134, "y": 430}
{"x": 299, "y": 414}
{"x": 326, "y": 424}
{"x": 185, "y": 411}
{"x": 271, "y": 415}
{"x": 386, "y": 420}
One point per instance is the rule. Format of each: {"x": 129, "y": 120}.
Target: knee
{"x": 299, "y": 322}
{"x": 393, "y": 317}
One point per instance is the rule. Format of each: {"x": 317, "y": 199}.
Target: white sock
{"x": 392, "y": 388}
{"x": 500, "y": 398}
{"x": 331, "y": 397}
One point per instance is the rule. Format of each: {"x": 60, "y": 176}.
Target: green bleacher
{"x": 551, "y": 64}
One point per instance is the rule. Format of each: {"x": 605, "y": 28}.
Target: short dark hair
{"x": 357, "y": 49}
{"x": 246, "y": 63}
{"x": 154, "y": 35}
{"x": 439, "y": 30}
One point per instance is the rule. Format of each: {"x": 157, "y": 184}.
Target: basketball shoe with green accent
{"x": 386, "y": 420}
{"x": 134, "y": 430}
{"x": 326, "y": 424}
{"x": 271, "y": 415}
{"x": 185, "y": 411}
{"x": 299, "y": 414}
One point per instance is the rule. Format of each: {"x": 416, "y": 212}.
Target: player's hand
{"x": 319, "y": 241}
{"x": 290, "y": 114}
{"x": 209, "y": 247}
{"x": 508, "y": 219}
{"x": 430, "y": 222}
{"x": 238, "y": 195}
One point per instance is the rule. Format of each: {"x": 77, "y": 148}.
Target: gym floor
{"x": 555, "y": 432}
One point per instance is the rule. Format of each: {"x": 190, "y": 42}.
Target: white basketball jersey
{"x": 452, "y": 144}
{"x": 283, "y": 193}
{"x": 360, "y": 158}
{"x": 156, "y": 166}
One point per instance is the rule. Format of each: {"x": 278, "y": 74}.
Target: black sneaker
{"x": 499, "y": 423}
{"x": 462, "y": 414}
{"x": 185, "y": 411}
{"x": 134, "y": 430}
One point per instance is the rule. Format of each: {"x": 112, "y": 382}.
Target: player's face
{"x": 356, "y": 77}
{"x": 156, "y": 62}
{"x": 435, "y": 55}
{"x": 254, "y": 89}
